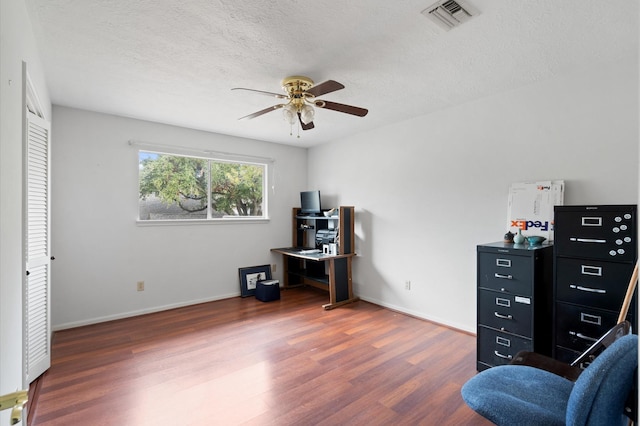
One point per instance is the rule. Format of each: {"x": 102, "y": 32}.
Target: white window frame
{"x": 215, "y": 156}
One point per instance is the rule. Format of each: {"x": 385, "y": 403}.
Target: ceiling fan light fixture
{"x": 301, "y": 96}
{"x": 289, "y": 113}
{"x": 306, "y": 114}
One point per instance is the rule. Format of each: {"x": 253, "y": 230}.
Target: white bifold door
{"x": 37, "y": 335}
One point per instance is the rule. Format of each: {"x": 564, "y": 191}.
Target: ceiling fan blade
{"x": 348, "y": 109}
{"x": 277, "y": 95}
{"x": 324, "y": 88}
{"x": 307, "y": 126}
{"x": 263, "y": 111}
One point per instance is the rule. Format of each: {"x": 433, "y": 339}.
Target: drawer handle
{"x": 504, "y": 277}
{"x": 584, "y": 365}
{"x": 587, "y": 240}
{"x": 587, "y": 289}
{"x": 583, "y": 337}
{"x": 502, "y": 316}
{"x": 502, "y": 356}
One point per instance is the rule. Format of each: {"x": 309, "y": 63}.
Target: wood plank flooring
{"x": 244, "y": 362}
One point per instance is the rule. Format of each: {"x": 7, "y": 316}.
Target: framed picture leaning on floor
{"x": 250, "y": 276}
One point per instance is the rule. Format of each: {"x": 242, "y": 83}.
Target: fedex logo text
{"x": 526, "y": 224}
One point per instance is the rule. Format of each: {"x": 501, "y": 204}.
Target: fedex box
{"x": 530, "y": 207}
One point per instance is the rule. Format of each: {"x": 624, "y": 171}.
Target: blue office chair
{"x": 524, "y": 395}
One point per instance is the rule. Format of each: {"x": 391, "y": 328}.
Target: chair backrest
{"x": 599, "y": 394}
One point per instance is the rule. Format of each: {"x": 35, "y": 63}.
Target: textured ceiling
{"x": 175, "y": 62}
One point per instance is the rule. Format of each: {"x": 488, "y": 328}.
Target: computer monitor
{"x": 310, "y": 202}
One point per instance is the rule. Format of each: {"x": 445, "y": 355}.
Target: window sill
{"x": 224, "y": 221}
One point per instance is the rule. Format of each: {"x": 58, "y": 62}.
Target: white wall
{"x": 426, "y": 192}
{"x": 429, "y": 190}
{"x": 17, "y": 44}
{"x": 100, "y": 251}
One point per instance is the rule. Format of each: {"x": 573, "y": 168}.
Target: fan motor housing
{"x": 296, "y": 85}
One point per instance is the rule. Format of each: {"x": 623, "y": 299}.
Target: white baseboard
{"x": 420, "y": 315}
{"x": 129, "y": 314}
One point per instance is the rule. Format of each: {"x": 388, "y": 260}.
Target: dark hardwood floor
{"x": 245, "y": 362}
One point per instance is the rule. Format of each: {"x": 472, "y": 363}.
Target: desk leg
{"x": 288, "y": 282}
{"x": 285, "y": 271}
{"x": 340, "y": 283}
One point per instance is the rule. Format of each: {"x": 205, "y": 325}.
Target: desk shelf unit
{"x": 306, "y": 227}
{"x": 328, "y": 272}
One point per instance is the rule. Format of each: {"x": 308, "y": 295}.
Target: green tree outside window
{"x": 177, "y": 187}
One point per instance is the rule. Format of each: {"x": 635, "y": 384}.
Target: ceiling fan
{"x": 300, "y": 98}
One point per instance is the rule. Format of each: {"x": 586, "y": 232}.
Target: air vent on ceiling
{"x": 449, "y": 14}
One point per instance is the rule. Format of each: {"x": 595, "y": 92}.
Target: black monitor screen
{"x": 310, "y": 202}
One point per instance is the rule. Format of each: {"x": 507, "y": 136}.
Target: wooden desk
{"x": 327, "y": 272}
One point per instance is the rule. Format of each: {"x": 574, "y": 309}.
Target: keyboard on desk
{"x": 310, "y": 251}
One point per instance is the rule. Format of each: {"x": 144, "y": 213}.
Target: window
{"x": 177, "y": 187}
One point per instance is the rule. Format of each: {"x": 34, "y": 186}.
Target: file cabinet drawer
{"x": 506, "y": 312}
{"x": 591, "y": 282}
{"x": 497, "y": 348}
{"x": 505, "y": 273}
{"x": 578, "y": 327}
{"x": 596, "y": 232}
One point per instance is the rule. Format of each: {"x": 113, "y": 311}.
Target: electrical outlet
{"x": 407, "y": 285}
{"x": 140, "y": 285}
{"x": 273, "y": 268}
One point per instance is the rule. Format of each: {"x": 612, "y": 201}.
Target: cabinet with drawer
{"x": 514, "y": 289}
{"x": 594, "y": 254}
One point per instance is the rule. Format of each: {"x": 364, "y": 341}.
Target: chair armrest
{"x": 546, "y": 363}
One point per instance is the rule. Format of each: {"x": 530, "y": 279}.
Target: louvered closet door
{"x": 37, "y": 257}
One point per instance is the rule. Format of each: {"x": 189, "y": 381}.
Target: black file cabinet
{"x": 595, "y": 251}
{"x": 514, "y": 301}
